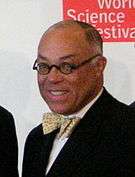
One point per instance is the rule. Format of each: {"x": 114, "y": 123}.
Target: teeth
{"x": 57, "y": 93}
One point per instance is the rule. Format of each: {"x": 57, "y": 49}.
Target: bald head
{"x": 91, "y": 35}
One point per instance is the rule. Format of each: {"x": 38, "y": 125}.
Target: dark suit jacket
{"x": 8, "y": 145}
{"x": 102, "y": 145}
{"x": 132, "y": 105}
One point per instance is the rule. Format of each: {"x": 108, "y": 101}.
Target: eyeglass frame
{"x": 73, "y": 66}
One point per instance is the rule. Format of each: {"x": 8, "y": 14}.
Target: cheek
{"x": 86, "y": 81}
{"x": 41, "y": 79}
{"x": 41, "y": 83}
{"x": 77, "y": 85}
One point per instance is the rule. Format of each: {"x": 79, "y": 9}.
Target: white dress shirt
{"x": 59, "y": 143}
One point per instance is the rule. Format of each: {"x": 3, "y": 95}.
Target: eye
{"x": 67, "y": 67}
{"x": 43, "y": 68}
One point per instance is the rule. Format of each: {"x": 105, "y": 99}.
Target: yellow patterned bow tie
{"x": 53, "y": 121}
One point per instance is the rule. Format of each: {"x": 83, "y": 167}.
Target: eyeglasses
{"x": 65, "y": 68}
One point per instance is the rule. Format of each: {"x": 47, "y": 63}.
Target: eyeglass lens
{"x": 65, "y": 68}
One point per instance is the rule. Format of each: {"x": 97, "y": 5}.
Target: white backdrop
{"x": 22, "y": 23}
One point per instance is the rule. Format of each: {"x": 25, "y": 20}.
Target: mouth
{"x": 57, "y": 92}
{"x": 57, "y": 95}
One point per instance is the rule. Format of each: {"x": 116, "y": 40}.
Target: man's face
{"x": 67, "y": 94}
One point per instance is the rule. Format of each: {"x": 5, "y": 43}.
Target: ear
{"x": 100, "y": 65}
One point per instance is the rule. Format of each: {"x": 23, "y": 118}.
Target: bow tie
{"x": 53, "y": 121}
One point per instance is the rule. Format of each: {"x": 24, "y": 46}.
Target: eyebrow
{"x": 61, "y": 58}
{"x": 42, "y": 57}
{"x": 67, "y": 57}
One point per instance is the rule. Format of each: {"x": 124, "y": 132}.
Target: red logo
{"x": 114, "y": 19}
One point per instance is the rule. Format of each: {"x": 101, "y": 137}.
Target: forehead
{"x": 63, "y": 41}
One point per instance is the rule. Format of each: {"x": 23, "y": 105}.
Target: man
{"x": 70, "y": 65}
{"x": 8, "y": 145}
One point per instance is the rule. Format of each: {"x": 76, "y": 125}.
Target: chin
{"x": 60, "y": 110}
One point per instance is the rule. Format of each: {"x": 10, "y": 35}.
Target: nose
{"x": 54, "y": 75}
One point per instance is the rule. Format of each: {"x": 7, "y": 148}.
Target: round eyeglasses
{"x": 65, "y": 68}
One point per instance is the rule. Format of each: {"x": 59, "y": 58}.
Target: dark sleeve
{"x": 8, "y": 145}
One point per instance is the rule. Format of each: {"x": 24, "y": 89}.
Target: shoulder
{"x": 33, "y": 143}
{"x": 4, "y": 112}
{"x": 122, "y": 113}
{"x": 120, "y": 120}
{"x": 37, "y": 131}
{"x": 109, "y": 105}
{"x": 125, "y": 112}
{"x": 6, "y": 117}
{"x": 125, "y": 109}
{"x": 35, "y": 135}
{"x": 115, "y": 113}
{"x": 113, "y": 105}
{"x": 132, "y": 105}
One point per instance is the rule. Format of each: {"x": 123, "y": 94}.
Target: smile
{"x": 58, "y": 93}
